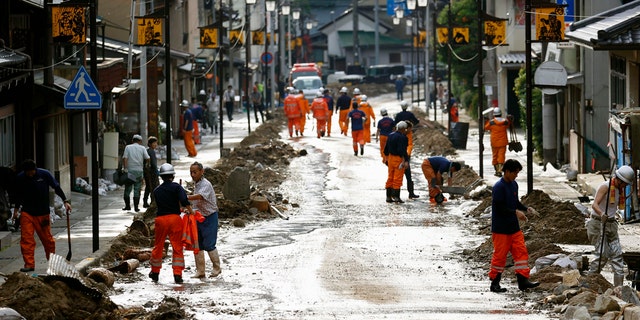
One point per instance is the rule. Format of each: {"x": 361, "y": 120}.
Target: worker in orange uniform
{"x": 304, "y": 109}
{"x": 454, "y": 113}
{"x": 187, "y": 129}
{"x": 370, "y": 118}
{"x": 433, "y": 169}
{"x": 170, "y": 197}
{"x": 329, "y": 100}
{"x": 385, "y": 127}
{"x": 320, "y": 113}
{"x": 356, "y": 99}
{"x": 499, "y": 141}
{"x": 293, "y": 111}
{"x": 357, "y": 118}
{"x": 343, "y": 105}
{"x": 397, "y": 158}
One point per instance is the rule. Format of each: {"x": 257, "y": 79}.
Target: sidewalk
{"x": 112, "y": 220}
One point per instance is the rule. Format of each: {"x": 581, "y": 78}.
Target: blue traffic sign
{"x": 82, "y": 93}
{"x": 266, "y": 57}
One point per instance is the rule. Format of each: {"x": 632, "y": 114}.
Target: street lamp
{"x": 422, "y": 3}
{"x": 411, "y": 4}
{"x": 247, "y": 51}
{"x": 286, "y": 9}
{"x": 271, "y": 5}
{"x": 296, "y": 13}
{"x": 399, "y": 13}
{"x": 309, "y": 25}
{"x": 396, "y": 20}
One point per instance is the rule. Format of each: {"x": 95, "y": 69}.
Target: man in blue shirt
{"x": 358, "y": 117}
{"x": 329, "y": 100}
{"x": 32, "y": 194}
{"x": 432, "y": 169}
{"x": 395, "y": 151}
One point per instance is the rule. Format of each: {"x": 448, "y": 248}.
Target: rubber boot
{"x": 396, "y": 196}
{"x": 199, "y": 265}
{"x": 500, "y": 169}
{"x": 177, "y": 278}
{"x": 127, "y": 204}
{"x": 215, "y": 258}
{"x": 410, "y": 189}
{"x": 154, "y": 276}
{"x": 136, "y": 201}
{"x": 524, "y": 283}
{"x": 497, "y": 173}
{"x": 495, "y": 284}
{"x": 618, "y": 280}
{"x": 389, "y": 199}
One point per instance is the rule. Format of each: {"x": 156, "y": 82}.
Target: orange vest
{"x": 292, "y": 107}
{"x": 320, "y": 109}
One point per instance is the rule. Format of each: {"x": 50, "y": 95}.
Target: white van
{"x": 310, "y": 85}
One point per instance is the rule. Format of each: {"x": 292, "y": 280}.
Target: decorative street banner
{"x": 149, "y": 31}
{"x": 550, "y": 24}
{"x": 495, "y": 33}
{"x": 257, "y": 38}
{"x": 420, "y": 40}
{"x": 443, "y": 35}
{"x": 460, "y": 35}
{"x": 69, "y": 24}
{"x": 208, "y": 38}
{"x": 236, "y": 37}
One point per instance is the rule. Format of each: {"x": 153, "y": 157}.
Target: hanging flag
{"x": 257, "y": 37}
{"x": 495, "y": 33}
{"x": 208, "y": 38}
{"x": 460, "y": 35}
{"x": 420, "y": 41}
{"x": 149, "y": 31}
{"x": 236, "y": 37}
{"x": 443, "y": 35}
{"x": 69, "y": 24}
{"x": 550, "y": 24}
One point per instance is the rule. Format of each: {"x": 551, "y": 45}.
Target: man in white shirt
{"x": 134, "y": 159}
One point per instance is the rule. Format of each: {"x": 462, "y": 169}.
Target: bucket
{"x": 458, "y": 134}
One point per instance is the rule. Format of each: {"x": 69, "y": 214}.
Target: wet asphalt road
{"x": 344, "y": 253}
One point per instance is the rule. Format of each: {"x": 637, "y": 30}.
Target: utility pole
{"x": 167, "y": 78}
{"x": 480, "y": 89}
{"x": 529, "y": 103}
{"x": 93, "y": 9}
{"x": 356, "y": 40}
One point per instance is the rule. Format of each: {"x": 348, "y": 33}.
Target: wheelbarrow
{"x": 632, "y": 259}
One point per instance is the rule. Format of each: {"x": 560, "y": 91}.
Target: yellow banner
{"x": 149, "y": 31}
{"x": 236, "y": 38}
{"x": 208, "y": 38}
{"x": 69, "y": 24}
{"x": 420, "y": 40}
{"x": 495, "y": 33}
{"x": 461, "y": 35}
{"x": 550, "y": 24}
{"x": 257, "y": 38}
{"x": 443, "y": 35}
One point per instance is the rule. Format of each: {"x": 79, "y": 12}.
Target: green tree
{"x": 520, "y": 88}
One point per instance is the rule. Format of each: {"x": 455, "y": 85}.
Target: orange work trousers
{"x": 395, "y": 174}
{"x": 189, "y": 144}
{"x": 498, "y": 154}
{"x": 168, "y": 225}
{"x": 303, "y": 122}
{"x": 196, "y": 132}
{"x": 293, "y": 123}
{"x": 502, "y": 245}
{"x": 329, "y": 124}
{"x": 342, "y": 121}
{"x": 366, "y": 128}
{"x": 383, "y": 142}
{"x": 430, "y": 175}
{"x": 321, "y": 125}
{"x": 358, "y": 138}
{"x": 40, "y": 225}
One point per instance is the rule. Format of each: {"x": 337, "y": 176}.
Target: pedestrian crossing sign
{"x": 82, "y": 93}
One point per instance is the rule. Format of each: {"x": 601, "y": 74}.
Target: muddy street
{"x": 343, "y": 253}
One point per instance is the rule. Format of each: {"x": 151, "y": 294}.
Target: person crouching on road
{"x": 170, "y": 197}
{"x": 204, "y": 200}
{"x": 293, "y": 111}
{"x": 32, "y": 198}
{"x": 358, "y": 117}
{"x": 433, "y": 168}
{"x": 396, "y": 152}
{"x": 320, "y": 113}
{"x": 506, "y": 210}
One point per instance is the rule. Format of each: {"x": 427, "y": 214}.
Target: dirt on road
{"x": 29, "y": 295}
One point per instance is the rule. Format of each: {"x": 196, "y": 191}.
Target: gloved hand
{"x": 125, "y": 170}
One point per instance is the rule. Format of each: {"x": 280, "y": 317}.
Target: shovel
{"x": 69, "y": 236}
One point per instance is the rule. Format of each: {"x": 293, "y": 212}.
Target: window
{"x": 618, "y": 81}
{"x": 7, "y": 140}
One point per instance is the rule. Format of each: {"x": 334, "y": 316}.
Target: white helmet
{"x": 166, "y": 169}
{"x": 626, "y": 174}
{"x": 293, "y": 90}
{"x": 356, "y": 91}
{"x": 184, "y": 103}
{"x": 319, "y": 94}
{"x": 404, "y": 105}
{"x": 402, "y": 125}
{"x": 497, "y": 112}
{"x": 363, "y": 98}
{"x": 344, "y": 90}
{"x": 202, "y": 93}
{"x": 383, "y": 112}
